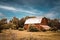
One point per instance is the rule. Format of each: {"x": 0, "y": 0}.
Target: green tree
{"x": 15, "y": 21}
{"x": 54, "y": 24}
{"x": 2, "y": 22}
{"x": 21, "y": 22}
{"x": 11, "y": 25}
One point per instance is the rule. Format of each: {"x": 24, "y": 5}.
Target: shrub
{"x": 0, "y": 31}
{"x": 1, "y": 28}
{"x": 33, "y": 29}
{"x": 20, "y": 29}
{"x": 53, "y": 29}
{"x": 43, "y": 30}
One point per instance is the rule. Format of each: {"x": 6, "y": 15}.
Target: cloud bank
{"x": 20, "y": 8}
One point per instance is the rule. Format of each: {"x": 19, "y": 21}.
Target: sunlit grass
{"x": 24, "y": 35}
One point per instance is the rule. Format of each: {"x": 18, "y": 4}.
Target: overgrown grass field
{"x": 24, "y": 35}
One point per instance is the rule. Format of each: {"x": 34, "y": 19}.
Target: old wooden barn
{"x": 37, "y": 22}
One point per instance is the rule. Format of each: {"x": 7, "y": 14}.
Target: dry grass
{"x": 24, "y": 35}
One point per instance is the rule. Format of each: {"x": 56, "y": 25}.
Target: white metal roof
{"x": 33, "y": 20}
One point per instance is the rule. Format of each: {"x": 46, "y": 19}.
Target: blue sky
{"x": 22, "y": 8}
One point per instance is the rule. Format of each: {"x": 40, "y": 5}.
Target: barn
{"x": 37, "y": 22}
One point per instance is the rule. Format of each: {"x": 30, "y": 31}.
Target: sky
{"x": 22, "y": 8}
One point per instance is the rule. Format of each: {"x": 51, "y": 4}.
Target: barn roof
{"x": 33, "y": 20}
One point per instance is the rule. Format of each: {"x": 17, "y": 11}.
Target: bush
{"x": 1, "y": 28}
{"x": 0, "y": 31}
{"x": 33, "y": 29}
{"x": 43, "y": 30}
{"x": 53, "y": 29}
{"x": 21, "y": 29}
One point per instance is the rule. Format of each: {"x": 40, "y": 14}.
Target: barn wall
{"x": 44, "y": 21}
{"x": 26, "y": 26}
{"x": 38, "y": 26}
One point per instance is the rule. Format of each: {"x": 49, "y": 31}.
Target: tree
{"x": 54, "y": 24}
{"x": 21, "y": 22}
{"x": 2, "y": 22}
{"x": 11, "y": 25}
{"x": 15, "y": 21}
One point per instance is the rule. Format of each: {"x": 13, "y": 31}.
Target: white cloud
{"x": 26, "y": 11}
{"x": 39, "y": 16}
{"x": 51, "y": 15}
{"x": 7, "y": 7}
{"x": 33, "y": 12}
{"x": 17, "y": 10}
{"x": 2, "y": 15}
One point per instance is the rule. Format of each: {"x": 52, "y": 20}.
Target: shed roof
{"x": 33, "y": 20}
{"x": 45, "y": 26}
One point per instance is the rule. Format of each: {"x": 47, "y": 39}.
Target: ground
{"x": 24, "y": 35}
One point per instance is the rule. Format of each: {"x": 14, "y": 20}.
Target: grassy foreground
{"x": 24, "y": 35}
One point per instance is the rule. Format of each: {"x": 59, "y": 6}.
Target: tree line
{"x": 16, "y": 23}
